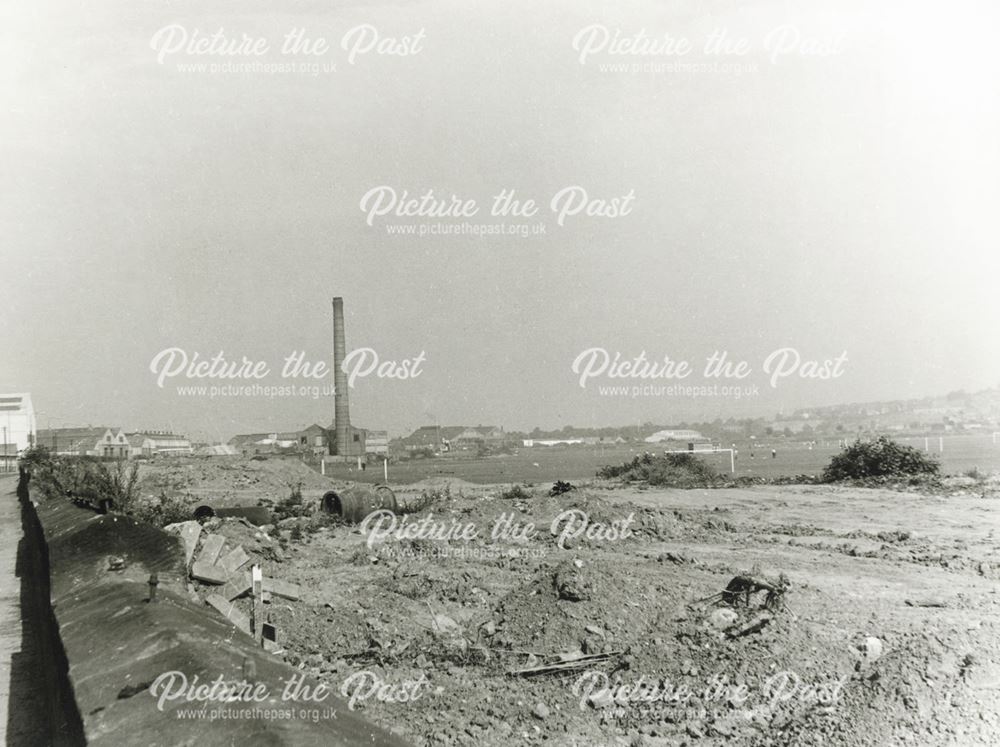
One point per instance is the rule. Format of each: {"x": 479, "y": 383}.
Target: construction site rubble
{"x": 222, "y": 564}
{"x": 526, "y": 639}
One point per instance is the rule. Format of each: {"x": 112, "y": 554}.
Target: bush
{"x": 291, "y": 507}
{"x": 161, "y": 511}
{"x": 673, "y": 470}
{"x": 559, "y": 487}
{"x": 48, "y": 473}
{"x": 612, "y": 471}
{"x": 35, "y": 459}
{"x": 427, "y": 499}
{"x": 515, "y": 493}
{"x": 881, "y": 457}
{"x": 86, "y": 480}
{"x": 119, "y": 482}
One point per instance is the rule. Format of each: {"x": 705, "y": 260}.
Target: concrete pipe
{"x": 355, "y": 503}
{"x": 256, "y": 515}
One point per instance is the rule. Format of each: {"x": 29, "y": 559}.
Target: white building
{"x": 17, "y": 423}
{"x": 532, "y": 442}
{"x": 674, "y": 435}
{"x": 151, "y": 443}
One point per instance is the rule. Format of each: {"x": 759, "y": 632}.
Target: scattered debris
{"x": 740, "y": 590}
{"x": 669, "y": 557}
{"x": 576, "y": 662}
{"x": 723, "y": 618}
{"x": 754, "y": 625}
{"x": 549, "y": 619}
{"x": 872, "y": 649}
{"x": 257, "y": 515}
{"x": 600, "y": 699}
{"x": 570, "y": 582}
{"x": 743, "y": 587}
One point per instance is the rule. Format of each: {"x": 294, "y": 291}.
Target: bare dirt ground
{"x": 225, "y": 481}
{"x": 888, "y": 634}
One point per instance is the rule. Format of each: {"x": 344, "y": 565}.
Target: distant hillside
{"x": 955, "y": 412}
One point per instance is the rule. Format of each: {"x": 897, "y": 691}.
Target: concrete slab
{"x": 210, "y": 549}
{"x": 229, "y": 610}
{"x": 189, "y": 532}
{"x": 282, "y": 588}
{"x": 234, "y": 560}
{"x": 238, "y": 586}
{"x": 209, "y": 573}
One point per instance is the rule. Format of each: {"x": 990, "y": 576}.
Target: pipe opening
{"x": 203, "y": 512}
{"x": 332, "y": 503}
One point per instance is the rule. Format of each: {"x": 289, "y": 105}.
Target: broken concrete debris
{"x": 230, "y": 611}
{"x": 281, "y": 588}
{"x": 363, "y": 615}
{"x": 209, "y": 573}
{"x": 238, "y": 585}
{"x": 189, "y": 532}
{"x": 234, "y": 560}
{"x": 222, "y": 569}
{"x": 210, "y": 549}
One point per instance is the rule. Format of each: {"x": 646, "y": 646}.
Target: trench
{"x": 41, "y": 707}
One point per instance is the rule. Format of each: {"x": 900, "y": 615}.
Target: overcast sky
{"x": 833, "y": 189}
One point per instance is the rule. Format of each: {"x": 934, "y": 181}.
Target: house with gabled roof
{"x": 108, "y": 443}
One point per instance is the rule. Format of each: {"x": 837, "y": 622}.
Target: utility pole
{"x": 5, "y": 432}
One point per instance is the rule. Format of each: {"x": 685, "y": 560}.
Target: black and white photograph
{"x": 433, "y": 373}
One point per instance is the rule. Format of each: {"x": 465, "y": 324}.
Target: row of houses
{"x": 112, "y": 443}
{"x": 443, "y": 438}
{"x": 314, "y": 438}
{"x": 677, "y": 434}
{"x": 581, "y": 441}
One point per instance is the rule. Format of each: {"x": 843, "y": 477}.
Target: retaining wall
{"x": 116, "y": 644}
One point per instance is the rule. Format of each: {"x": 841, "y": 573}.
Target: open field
{"x": 574, "y": 463}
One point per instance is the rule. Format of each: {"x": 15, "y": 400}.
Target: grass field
{"x": 547, "y": 464}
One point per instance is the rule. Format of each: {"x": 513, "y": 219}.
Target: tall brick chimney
{"x": 341, "y": 409}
